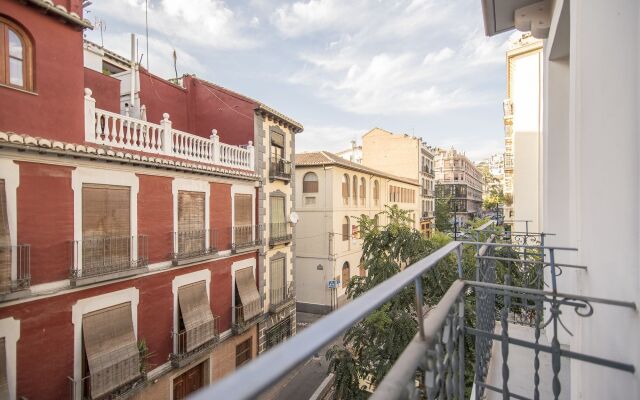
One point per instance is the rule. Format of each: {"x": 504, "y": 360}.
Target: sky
{"x": 339, "y": 67}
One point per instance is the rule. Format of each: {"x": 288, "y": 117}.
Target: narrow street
{"x": 304, "y": 380}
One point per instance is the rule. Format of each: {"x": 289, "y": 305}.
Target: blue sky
{"x": 340, "y": 67}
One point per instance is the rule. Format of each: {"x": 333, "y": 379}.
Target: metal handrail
{"x": 277, "y": 362}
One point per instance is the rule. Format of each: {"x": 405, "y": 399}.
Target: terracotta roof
{"x": 25, "y": 142}
{"x": 320, "y": 158}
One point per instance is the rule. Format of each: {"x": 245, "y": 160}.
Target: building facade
{"x": 591, "y": 98}
{"x": 335, "y": 193}
{"x": 146, "y": 245}
{"x": 523, "y": 130}
{"x": 406, "y": 156}
{"x": 458, "y": 179}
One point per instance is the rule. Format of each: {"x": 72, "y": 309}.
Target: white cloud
{"x": 302, "y": 18}
{"x": 208, "y": 23}
{"x": 326, "y": 137}
{"x": 439, "y": 56}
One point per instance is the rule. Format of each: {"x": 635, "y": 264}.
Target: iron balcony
{"x": 240, "y": 325}
{"x": 18, "y": 279}
{"x": 281, "y": 297}
{"x": 279, "y": 168}
{"x": 279, "y": 232}
{"x": 182, "y": 355}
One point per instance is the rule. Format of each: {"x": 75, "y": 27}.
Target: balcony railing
{"x": 245, "y": 237}
{"x": 253, "y": 308}
{"x": 20, "y": 256}
{"x": 433, "y": 365}
{"x": 193, "y": 342}
{"x": 108, "y": 256}
{"x": 427, "y": 214}
{"x": 121, "y": 131}
{"x": 280, "y": 297}
{"x": 279, "y": 168}
{"x": 279, "y": 232}
{"x": 193, "y": 245}
{"x": 81, "y": 389}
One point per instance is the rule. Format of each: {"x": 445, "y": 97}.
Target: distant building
{"x": 460, "y": 180}
{"x": 406, "y": 156}
{"x": 335, "y": 192}
{"x": 523, "y": 129}
{"x": 354, "y": 154}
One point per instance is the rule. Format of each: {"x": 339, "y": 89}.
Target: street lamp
{"x": 455, "y": 220}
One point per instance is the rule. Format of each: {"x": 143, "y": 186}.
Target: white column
{"x": 251, "y": 155}
{"x": 167, "y": 140}
{"x": 216, "y": 146}
{"x": 89, "y": 116}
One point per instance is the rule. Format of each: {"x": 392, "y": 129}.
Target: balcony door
{"x": 277, "y": 216}
{"x": 278, "y": 280}
{"x": 106, "y": 228}
{"x": 242, "y": 219}
{"x": 191, "y": 223}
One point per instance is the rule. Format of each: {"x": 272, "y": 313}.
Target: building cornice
{"x": 60, "y": 11}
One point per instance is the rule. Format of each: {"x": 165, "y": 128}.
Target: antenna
{"x": 175, "y": 62}
{"x": 146, "y": 27}
{"x": 102, "y": 25}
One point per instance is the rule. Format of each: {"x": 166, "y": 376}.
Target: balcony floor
{"x": 521, "y": 367}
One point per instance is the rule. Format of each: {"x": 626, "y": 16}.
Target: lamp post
{"x": 455, "y": 220}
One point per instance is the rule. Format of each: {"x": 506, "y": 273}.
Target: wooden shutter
{"x": 196, "y": 314}
{"x": 4, "y": 383}
{"x": 363, "y": 189}
{"x": 277, "y": 210}
{"x": 111, "y": 348}
{"x": 249, "y": 296}
{"x": 5, "y": 242}
{"x": 346, "y": 274}
{"x": 106, "y": 228}
{"x": 277, "y": 139}
{"x": 277, "y": 280}
{"x": 242, "y": 206}
{"x": 310, "y": 183}
{"x": 191, "y": 223}
{"x": 345, "y": 230}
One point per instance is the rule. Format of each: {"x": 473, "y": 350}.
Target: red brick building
{"x": 145, "y": 243}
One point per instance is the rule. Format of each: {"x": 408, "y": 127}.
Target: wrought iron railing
{"x": 245, "y": 237}
{"x": 20, "y": 256}
{"x": 194, "y": 244}
{"x": 253, "y": 308}
{"x": 105, "y": 255}
{"x": 433, "y": 364}
{"x": 81, "y": 389}
{"x": 279, "y": 232}
{"x": 192, "y": 342}
{"x": 280, "y": 297}
{"x": 279, "y": 168}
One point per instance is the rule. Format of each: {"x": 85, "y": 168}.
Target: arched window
{"x": 16, "y": 53}
{"x": 345, "y": 189}
{"x": 376, "y": 192}
{"x": 355, "y": 190}
{"x": 363, "y": 191}
{"x": 310, "y": 183}
{"x": 363, "y": 270}
{"x": 346, "y": 274}
{"x": 345, "y": 229}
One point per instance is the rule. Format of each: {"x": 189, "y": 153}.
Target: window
{"x": 310, "y": 183}
{"x": 346, "y": 274}
{"x": 242, "y": 219}
{"x": 278, "y": 279}
{"x": 354, "y": 190}
{"x": 345, "y": 229}
{"x": 191, "y": 232}
{"x": 16, "y": 53}
{"x": 278, "y": 226}
{"x": 376, "y": 192}
{"x": 345, "y": 189}
{"x": 363, "y": 191}
{"x": 279, "y": 332}
{"x": 106, "y": 228}
{"x": 196, "y": 324}
{"x": 243, "y": 352}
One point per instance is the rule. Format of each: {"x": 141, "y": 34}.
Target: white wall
{"x": 592, "y": 182}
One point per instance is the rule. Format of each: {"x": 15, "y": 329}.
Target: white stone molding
{"x": 10, "y": 331}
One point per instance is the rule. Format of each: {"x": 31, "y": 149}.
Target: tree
{"x": 442, "y": 214}
{"x": 370, "y": 347}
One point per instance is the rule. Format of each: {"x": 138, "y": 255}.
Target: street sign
{"x": 333, "y": 283}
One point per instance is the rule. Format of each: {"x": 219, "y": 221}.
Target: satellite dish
{"x": 293, "y": 217}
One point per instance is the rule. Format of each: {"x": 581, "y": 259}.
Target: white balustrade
{"x": 115, "y": 130}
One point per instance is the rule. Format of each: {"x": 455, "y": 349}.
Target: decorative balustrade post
{"x": 251, "y": 155}
{"x": 89, "y": 116}
{"x": 216, "y": 146}
{"x": 167, "y": 136}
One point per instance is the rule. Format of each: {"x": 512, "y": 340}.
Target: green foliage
{"x": 370, "y": 347}
{"x": 478, "y": 222}
{"x": 442, "y": 214}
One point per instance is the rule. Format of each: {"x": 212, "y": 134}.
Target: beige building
{"x": 523, "y": 129}
{"x": 458, "y": 178}
{"x": 406, "y": 156}
{"x": 335, "y": 192}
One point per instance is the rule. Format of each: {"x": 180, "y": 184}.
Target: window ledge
{"x": 25, "y": 91}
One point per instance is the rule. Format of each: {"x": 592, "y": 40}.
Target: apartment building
{"x": 405, "y": 156}
{"x": 460, "y": 180}
{"x": 591, "y": 97}
{"x": 523, "y": 130}
{"x": 146, "y": 245}
{"x": 335, "y": 193}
